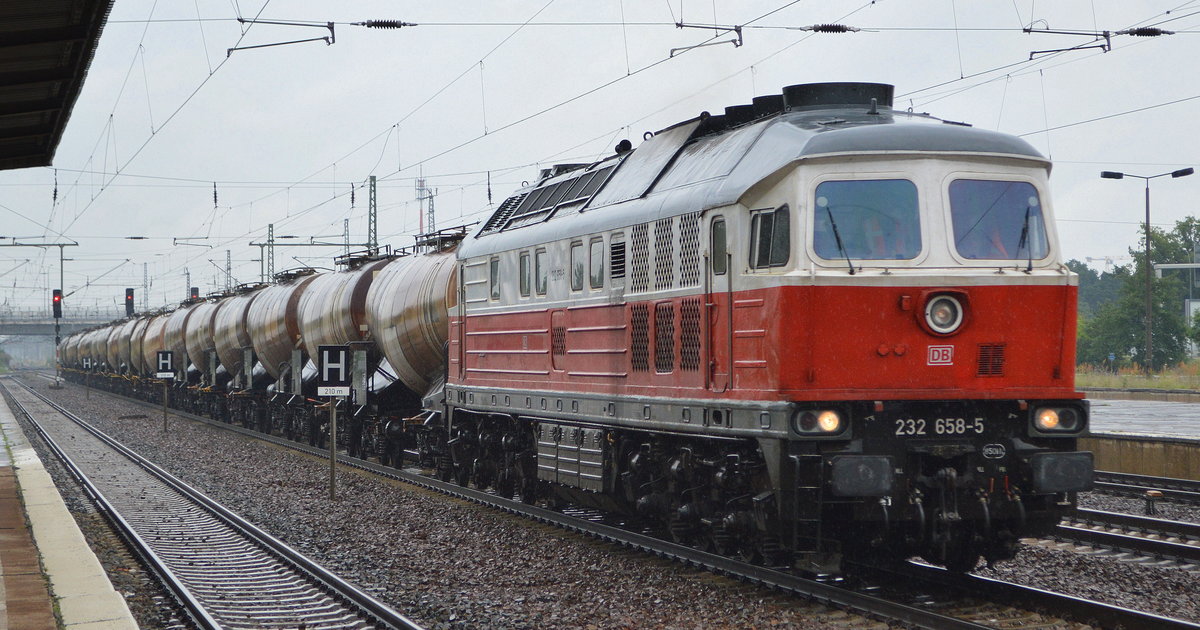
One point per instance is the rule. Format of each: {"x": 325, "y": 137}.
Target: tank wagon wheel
{"x": 445, "y": 468}
{"x": 462, "y": 475}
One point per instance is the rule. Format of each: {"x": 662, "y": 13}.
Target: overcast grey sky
{"x": 494, "y": 90}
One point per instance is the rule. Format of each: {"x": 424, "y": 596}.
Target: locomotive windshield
{"x": 871, "y": 219}
{"x": 997, "y": 220}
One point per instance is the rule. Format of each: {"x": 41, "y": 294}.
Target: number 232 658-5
{"x": 940, "y": 426}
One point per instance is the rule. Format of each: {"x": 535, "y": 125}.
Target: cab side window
{"x": 525, "y": 274}
{"x": 541, "y": 271}
{"x": 719, "y": 249}
{"x": 577, "y": 266}
{"x": 494, "y": 278}
{"x": 596, "y": 263}
{"x": 770, "y": 238}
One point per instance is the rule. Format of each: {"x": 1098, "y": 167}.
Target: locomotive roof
{"x": 705, "y": 163}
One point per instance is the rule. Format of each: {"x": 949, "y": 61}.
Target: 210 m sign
{"x": 940, "y": 426}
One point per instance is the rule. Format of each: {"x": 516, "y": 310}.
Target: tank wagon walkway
{"x": 34, "y": 522}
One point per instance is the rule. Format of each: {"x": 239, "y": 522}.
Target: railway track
{"x": 223, "y": 571}
{"x": 1157, "y": 538}
{"x": 1126, "y": 484}
{"x": 837, "y": 595}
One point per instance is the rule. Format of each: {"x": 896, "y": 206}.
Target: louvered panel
{"x": 991, "y": 359}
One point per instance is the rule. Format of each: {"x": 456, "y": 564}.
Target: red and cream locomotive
{"x": 805, "y": 329}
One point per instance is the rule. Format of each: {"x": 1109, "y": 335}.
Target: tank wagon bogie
{"x": 797, "y": 331}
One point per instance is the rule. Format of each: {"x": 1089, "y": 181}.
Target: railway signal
{"x": 56, "y": 303}
{"x": 128, "y": 302}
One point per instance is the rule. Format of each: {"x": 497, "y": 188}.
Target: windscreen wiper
{"x": 1024, "y": 242}
{"x": 838, "y": 238}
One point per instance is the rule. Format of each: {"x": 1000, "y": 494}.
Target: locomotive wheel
{"x": 482, "y": 475}
{"x": 505, "y": 483}
{"x": 962, "y": 559}
{"x": 527, "y": 487}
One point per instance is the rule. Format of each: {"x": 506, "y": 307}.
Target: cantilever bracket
{"x": 329, "y": 41}
{"x": 736, "y": 41}
{"x": 1098, "y": 35}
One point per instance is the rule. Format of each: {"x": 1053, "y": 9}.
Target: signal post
{"x": 165, "y": 364}
{"x": 333, "y": 380}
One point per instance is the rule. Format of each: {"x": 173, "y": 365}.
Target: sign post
{"x": 87, "y": 377}
{"x": 165, "y": 371}
{"x": 333, "y": 380}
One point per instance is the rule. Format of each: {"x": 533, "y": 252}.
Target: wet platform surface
{"x": 1144, "y": 417}
{"x": 45, "y": 562}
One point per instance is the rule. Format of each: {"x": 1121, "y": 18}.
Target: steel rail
{"x": 834, "y": 596}
{"x": 1128, "y": 484}
{"x": 1141, "y": 545}
{"x": 377, "y": 610}
{"x": 1143, "y": 524}
{"x": 1026, "y": 597}
{"x": 183, "y": 596}
{"x": 1078, "y": 608}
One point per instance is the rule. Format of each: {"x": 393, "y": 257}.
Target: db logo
{"x": 941, "y": 355}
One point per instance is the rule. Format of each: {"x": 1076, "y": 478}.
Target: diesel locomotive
{"x": 803, "y": 330}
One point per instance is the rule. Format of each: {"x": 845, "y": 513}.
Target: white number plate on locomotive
{"x": 939, "y": 426}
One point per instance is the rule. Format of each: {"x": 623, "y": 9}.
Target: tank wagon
{"x": 807, "y": 328}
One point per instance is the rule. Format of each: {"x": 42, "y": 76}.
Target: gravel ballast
{"x": 451, "y": 564}
{"x": 446, "y": 563}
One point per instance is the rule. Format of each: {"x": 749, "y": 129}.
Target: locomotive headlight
{"x": 1058, "y": 420}
{"x": 829, "y": 421}
{"x": 944, "y": 314}
{"x": 824, "y": 421}
{"x": 1046, "y": 420}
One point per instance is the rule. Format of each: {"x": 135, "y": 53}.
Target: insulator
{"x": 831, "y": 28}
{"x": 386, "y": 24}
{"x": 214, "y": 194}
{"x": 1146, "y": 31}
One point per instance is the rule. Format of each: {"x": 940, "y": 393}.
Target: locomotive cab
{"x": 913, "y": 309}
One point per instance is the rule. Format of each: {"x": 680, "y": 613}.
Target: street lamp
{"x": 1183, "y": 172}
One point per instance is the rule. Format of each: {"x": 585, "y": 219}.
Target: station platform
{"x": 45, "y": 562}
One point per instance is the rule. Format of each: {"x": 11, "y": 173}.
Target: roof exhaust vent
{"x": 768, "y": 105}
{"x": 739, "y": 114}
{"x": 837, "y": 94}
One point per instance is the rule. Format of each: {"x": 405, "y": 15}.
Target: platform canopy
{"x": 46, "y": 47}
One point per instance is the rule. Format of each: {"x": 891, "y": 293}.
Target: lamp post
{"x": 1183, "y": 172}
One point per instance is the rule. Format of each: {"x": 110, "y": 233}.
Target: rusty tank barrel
{"x": 124, "y": 336}
{"x": 333, "y": 308}
{"x": 173, "y": 335}
{"x": 198, "y": 334}
{"x": 97, "y": 346}
{"x": 407, "y": 315}
{"x": 273, "y": 322}
{"x": 152, "y": 342}
{"x": 136, "y": 335}
{"x": 229, "y": 330}
{"x": 112, "y": 351}
{"x": 70, "y": 351}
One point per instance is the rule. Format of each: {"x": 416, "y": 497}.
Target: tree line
{"x": 1112, "y": 305}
